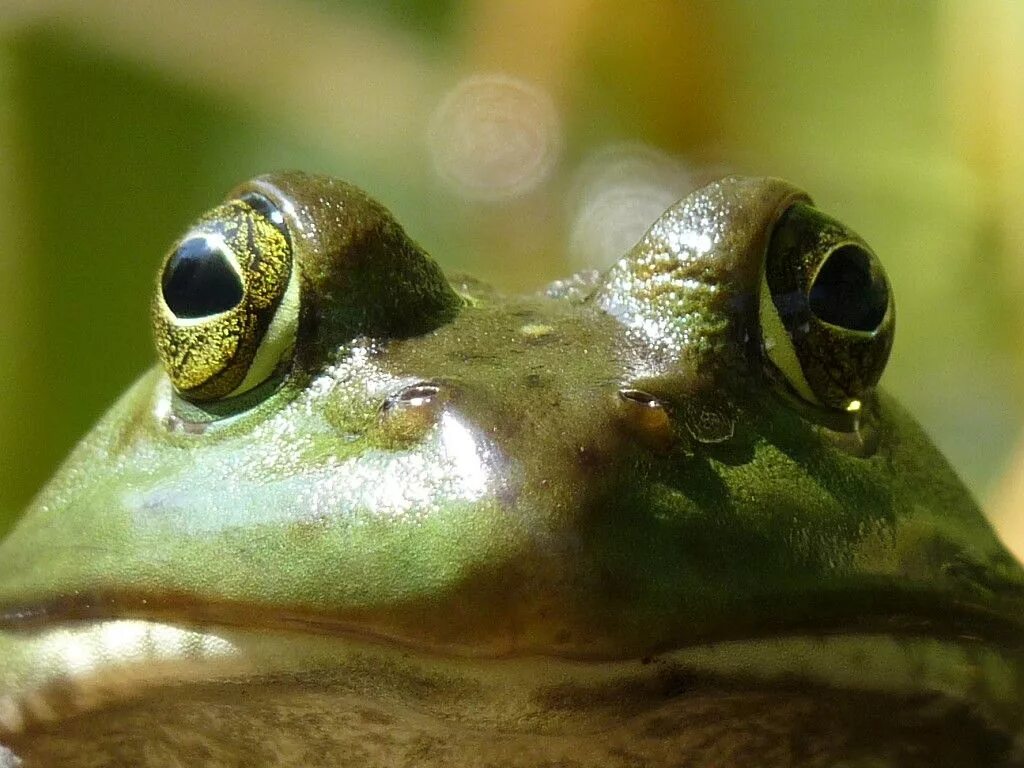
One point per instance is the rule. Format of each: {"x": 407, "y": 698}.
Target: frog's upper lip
{"x": 940, "y": 619}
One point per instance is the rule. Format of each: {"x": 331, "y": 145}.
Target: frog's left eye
{"x": 226, "y": 305}
{"x": 826, "y": 310}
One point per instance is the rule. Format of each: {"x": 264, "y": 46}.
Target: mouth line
{"x": 943, "y": 619}
{"x": 54, "y": 672}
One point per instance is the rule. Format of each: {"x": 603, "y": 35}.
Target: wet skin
{"x": 364, "y": 514}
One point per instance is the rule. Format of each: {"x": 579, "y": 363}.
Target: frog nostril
{"x": 409, "y": 414}
{"x": 414, "y": 396}
{"x": 849, "y": 291}
{"x": 640, "y": 398}
{"x": 200, "y": 280}
{"x": 645, "y": 416}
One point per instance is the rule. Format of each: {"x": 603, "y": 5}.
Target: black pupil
{"x": 199, "y": 280}
{"x": 847, "y": 292}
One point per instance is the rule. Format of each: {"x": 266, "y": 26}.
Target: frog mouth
{"x": 82, "y": 676}
{"x": 853, "y": 612}
{"x": 83, "y": 655}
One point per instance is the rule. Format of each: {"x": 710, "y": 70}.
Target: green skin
{"x": 526, "y": 569}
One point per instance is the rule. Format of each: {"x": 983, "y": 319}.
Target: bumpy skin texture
{"x": 525, "y": 510}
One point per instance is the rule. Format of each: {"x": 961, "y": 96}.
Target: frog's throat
{"x": 90, "y": 669}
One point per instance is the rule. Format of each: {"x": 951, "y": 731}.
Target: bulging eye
{"x": 226, "y": 307}
{"x": 826, "y": 310}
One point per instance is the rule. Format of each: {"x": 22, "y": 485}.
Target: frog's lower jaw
{"x": 130, "y": 692}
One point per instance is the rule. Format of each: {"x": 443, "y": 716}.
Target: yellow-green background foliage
{"x": 120, "y": 121}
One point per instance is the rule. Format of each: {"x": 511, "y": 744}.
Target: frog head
{"x": 597, "y": 507}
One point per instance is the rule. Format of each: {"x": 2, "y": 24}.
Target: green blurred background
{"x": 519, "y": 141}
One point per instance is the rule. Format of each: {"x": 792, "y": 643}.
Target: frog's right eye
{"x": 226, "y": 307}
{"x": 826, "y": 310}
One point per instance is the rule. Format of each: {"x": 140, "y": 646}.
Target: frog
{"x": 363, "y": 512}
